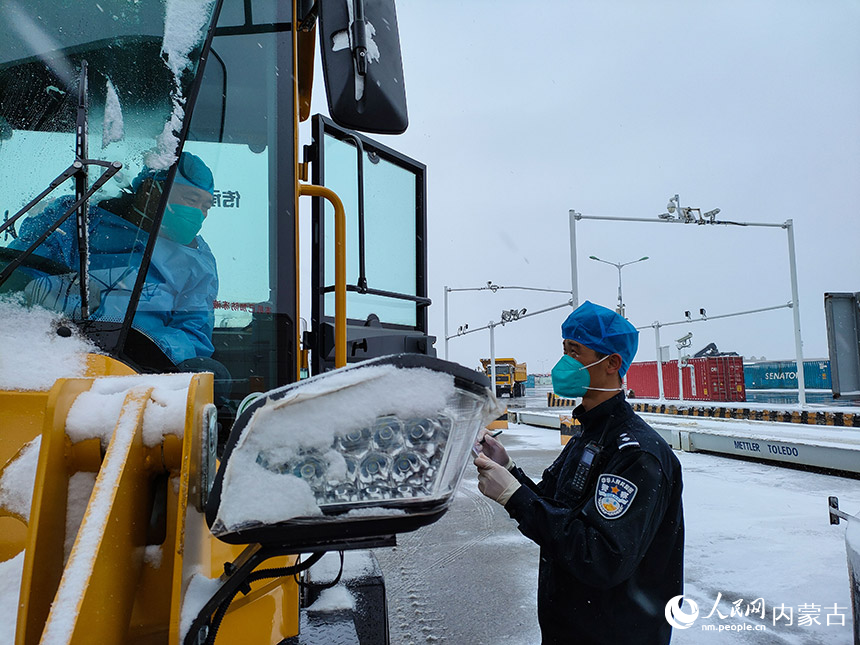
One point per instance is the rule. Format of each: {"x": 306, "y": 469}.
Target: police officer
{"x": 607, "y": 513}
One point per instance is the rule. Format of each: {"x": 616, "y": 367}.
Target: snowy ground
{"x": 754, "y": 531}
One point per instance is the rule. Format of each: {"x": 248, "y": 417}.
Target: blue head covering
{"x": 191, "y": 172}
{"x": 602, "y": 330}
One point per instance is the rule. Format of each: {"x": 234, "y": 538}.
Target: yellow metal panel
{"x": 270, "y": 612}
{"x": 101, "y": 365}
{"x": 267, "y": 615}
{"x": 306, "y": 48}
{"x": 21, "y": 417}
{"x": 43, "y": 561}
{"x": 94, "y": 600}
{"x": 13, "y": 526}
{"x": 13, "y": 537}
{"x": 191, "y": 548}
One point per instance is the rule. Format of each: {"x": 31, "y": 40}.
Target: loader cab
{"x": 100, "y": 104}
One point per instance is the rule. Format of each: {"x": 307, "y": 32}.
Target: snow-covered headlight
{"x": 373, "y": 449}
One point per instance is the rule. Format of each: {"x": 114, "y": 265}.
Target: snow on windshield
{"x": 185, "y": 23}
{"x": 112, "y": 129}
{"x": 32, "y": 354}
{"x": 293, "y": 425}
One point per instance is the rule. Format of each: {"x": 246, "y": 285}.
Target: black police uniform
{"x": 611, "y": 553}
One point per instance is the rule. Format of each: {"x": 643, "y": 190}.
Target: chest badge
{"x": 613, "y": 496}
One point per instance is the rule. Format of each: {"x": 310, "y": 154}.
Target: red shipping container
{"x": 710, "y": 378}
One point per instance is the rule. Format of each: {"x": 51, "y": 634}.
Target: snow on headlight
{"x": 378, "y": 437}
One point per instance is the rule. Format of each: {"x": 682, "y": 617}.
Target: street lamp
{"x": 619, "y": 266}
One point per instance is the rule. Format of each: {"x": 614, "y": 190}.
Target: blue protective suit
{"x": 177, "y": 300}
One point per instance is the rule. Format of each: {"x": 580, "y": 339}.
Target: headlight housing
{"x": 373, "y": 449}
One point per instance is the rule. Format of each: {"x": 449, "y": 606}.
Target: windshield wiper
{"x": 80, "y": 171}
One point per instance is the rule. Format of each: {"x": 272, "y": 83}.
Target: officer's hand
{"x": 494, "y": 480}
{"x": 493, "y": 448}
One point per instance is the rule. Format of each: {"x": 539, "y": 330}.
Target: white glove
{"x": 494, "y": 449}
{"x": 494, "y": 480}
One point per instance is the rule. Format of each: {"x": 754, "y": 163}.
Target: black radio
{"x": 586, "y": 463}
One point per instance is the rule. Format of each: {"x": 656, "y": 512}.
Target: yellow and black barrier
{"x": 840, "y": 419}
{"x": 501, "y": 423}
{"x": 554, "y": 401}
{"x": 569, "y": 428}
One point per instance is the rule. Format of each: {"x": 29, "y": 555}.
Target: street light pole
{"x": 659, "y": 359}
{"x": 574, "y": 288}
{"x": 795, "y": 306}
{"x": 492, "y": 327}
{"x": 445, "y": 309}
{"x": 619, "y": 266}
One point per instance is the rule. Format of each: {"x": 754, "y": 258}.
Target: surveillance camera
{"x": 685, "y": 338}
{"x": 670, "y": 206}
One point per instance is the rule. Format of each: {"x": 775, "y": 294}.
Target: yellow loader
{"x": 167, "y": 472}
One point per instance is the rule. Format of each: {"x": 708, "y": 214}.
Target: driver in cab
{"x": 176, "y": 303}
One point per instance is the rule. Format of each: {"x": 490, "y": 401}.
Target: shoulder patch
{"x": 613, "y": 496}
{"x": 626, "y": 441}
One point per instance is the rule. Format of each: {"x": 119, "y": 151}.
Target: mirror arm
{"x": 359, "y": 37}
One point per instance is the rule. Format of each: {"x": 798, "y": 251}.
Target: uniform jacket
{"x": 611, "y": 557}
{"x": 176, "y": 303}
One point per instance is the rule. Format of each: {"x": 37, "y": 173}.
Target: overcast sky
{"x": 525, "y": 111}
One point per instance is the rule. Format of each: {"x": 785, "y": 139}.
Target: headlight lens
{"x": 390, "y": 441}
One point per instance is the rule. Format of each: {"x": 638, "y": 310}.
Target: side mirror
{"x": 349, "y": 457}
{"x": 362, "y": 66}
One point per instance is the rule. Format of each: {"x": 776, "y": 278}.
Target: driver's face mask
{"x": 570, "y": 378}
{"x": 181, "y": 223}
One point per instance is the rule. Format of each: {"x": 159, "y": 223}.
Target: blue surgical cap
{"x": 602, "y": 330}
{"x": 191, "y": 172}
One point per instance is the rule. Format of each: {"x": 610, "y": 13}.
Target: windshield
{"x": 107, "y": 82}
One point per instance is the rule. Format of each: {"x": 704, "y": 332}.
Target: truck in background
{"x": 511, "y": 376}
